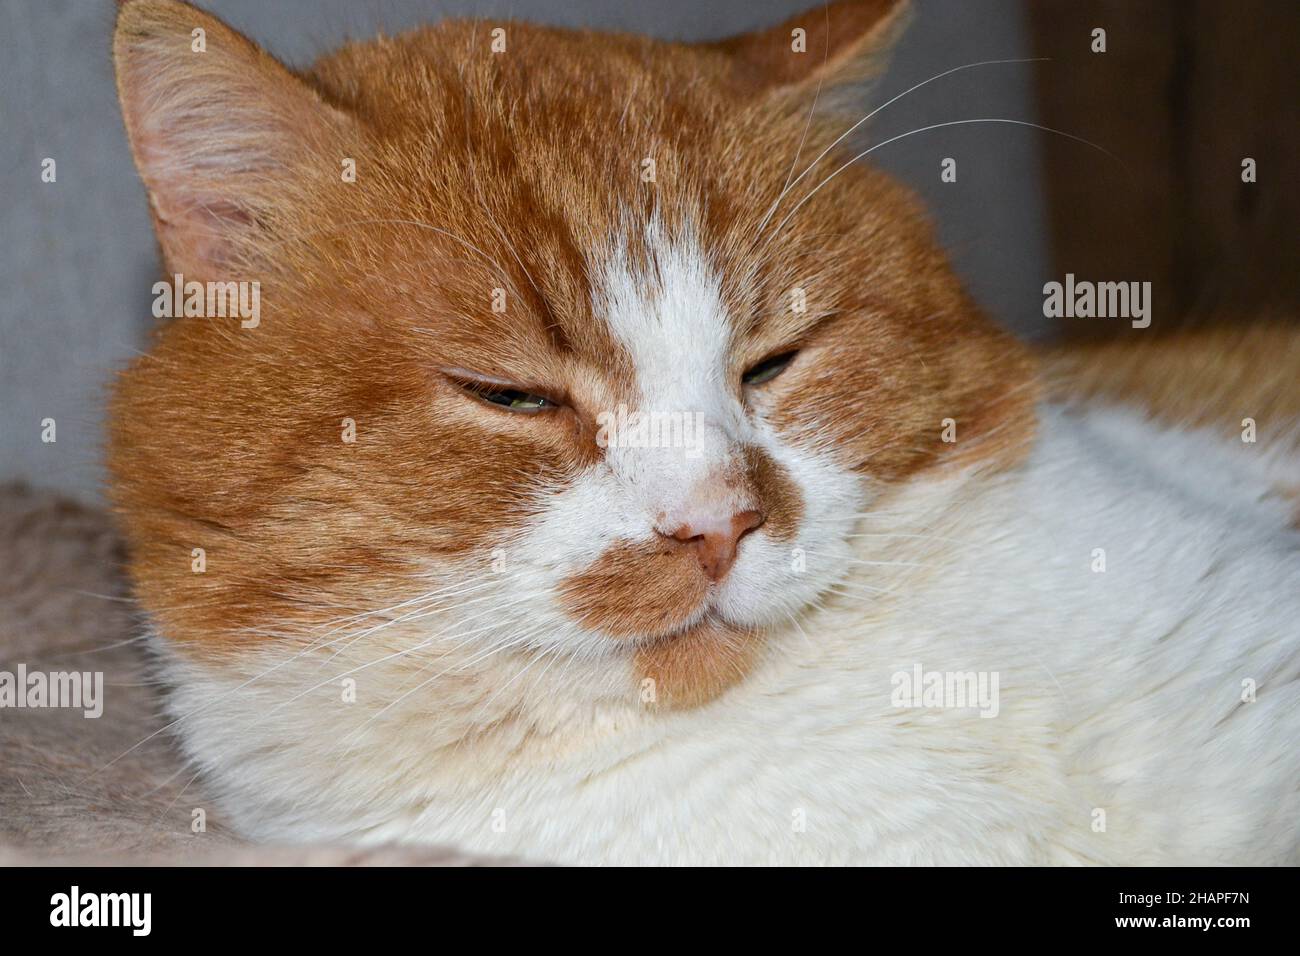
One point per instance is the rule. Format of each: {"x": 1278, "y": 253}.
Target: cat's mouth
{"x": 642, "y": 592}
{"x": 706, "y": 620}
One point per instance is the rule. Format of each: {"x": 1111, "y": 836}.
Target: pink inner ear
{"x": 197, "y": 237}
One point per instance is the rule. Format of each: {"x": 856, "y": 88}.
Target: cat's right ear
{"x": 830, "y": 48}
{"x": 224, "y": 136}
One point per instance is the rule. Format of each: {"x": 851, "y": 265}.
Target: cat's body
{"x": 1122, "y": 732}
{"x": 407, "y": 585}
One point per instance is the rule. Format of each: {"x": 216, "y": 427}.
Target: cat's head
{"x": 569, "y": 346}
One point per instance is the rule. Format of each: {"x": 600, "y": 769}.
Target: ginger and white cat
{"x": 408, "y": 583}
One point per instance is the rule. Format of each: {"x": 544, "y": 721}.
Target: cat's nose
{"x": 715, "y": 537}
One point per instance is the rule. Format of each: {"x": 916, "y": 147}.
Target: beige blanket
{"x": 114, "y": 789}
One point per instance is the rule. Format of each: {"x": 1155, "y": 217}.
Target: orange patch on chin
{"x": 694, "y": 667}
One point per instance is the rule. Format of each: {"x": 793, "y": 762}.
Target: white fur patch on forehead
{"x": 670, "y": 316}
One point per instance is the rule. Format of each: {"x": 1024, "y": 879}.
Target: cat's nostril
{"x": 715, "y": 539}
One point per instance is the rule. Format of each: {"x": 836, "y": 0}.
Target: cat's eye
{"x": 767, "y": 369}
{"x": 505, "y": 396}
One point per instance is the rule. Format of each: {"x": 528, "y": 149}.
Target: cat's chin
{"x": 693, "y": 665}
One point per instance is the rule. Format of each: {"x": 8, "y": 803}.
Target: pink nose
{"x": 715, "y": 539}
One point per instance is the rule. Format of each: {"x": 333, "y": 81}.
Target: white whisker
{"x": 925, "y": 129}
{"x": 848, "y": 132}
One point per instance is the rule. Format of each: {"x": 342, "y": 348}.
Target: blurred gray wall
{"x": 78, "y": 257}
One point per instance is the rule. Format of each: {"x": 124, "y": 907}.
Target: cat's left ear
{"x": 226, "y": 139}
{"x": 832, "y": 46}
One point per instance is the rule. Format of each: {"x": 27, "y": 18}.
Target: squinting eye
{"x": 767, "y": 369}
{"x": 512, "y": 399}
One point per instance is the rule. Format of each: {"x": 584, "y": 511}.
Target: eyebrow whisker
{"x": 848, "y": 132}
{"x": 925, "y": 129}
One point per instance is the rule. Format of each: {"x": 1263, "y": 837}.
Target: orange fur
{"x": 692, "y": 668}
{"x": 1205, "y": 376}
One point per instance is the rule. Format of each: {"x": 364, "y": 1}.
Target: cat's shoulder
{"x": 1231, "y": 385}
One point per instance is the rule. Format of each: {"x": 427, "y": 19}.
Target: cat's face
{"x": 543, "y": 369}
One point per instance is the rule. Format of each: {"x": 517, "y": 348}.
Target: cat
{"x": 407, "y": 584}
